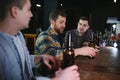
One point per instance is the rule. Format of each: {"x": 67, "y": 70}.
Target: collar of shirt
{"x": 52, "y": 31}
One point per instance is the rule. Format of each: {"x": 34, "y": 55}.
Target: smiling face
{"x": 59, "y": 24}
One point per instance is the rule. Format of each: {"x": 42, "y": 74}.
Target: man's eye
{"x": 84, "y": 25}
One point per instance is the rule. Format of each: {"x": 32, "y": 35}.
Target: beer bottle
{"x": 68, "y": 55}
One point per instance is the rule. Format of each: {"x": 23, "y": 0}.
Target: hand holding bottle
{"x": 70, "y": 73}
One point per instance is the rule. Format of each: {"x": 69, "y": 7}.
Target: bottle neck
{"x": 69, "y": 47}
{"x": 69, "y": 43}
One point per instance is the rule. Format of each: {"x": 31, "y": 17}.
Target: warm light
{"x": 115, "y": 1}
{"x": 61, "y": 4}
{"x": 70, "y": 53}
{"x": 38, "y": 5}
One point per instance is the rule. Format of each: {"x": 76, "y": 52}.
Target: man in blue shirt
{"x": 15, "y": 61}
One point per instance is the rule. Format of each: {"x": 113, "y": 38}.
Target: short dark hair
{"x": 58, "y": 12}
{"x": 84, "y": 18}
{"x": 5, "y": 5}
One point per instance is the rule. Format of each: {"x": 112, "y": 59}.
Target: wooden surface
{"x": 105, "y": 66}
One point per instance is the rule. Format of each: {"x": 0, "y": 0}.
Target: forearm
{"x": 77, "y": 51}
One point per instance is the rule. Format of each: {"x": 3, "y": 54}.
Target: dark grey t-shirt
{"x": 77, "y": 39}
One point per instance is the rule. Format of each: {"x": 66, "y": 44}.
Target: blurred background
{"x": 101, "y": 13}
{"x": 104, "y": 16}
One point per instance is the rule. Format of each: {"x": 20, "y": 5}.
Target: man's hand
{"x": 86, "y": 51}
{"x": 47, "y": 59}
{"x": 69, "y": 73}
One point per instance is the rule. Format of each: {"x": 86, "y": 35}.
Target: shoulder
{"x": 89, "y": 31}
{"x": 42, "y": 34}
{"x": 20, "y": 35}
{"x": 45, "y": 33}
{"x": 71, "y": 31}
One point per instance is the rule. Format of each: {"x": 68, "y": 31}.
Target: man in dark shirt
{"x": 82, "y": 35}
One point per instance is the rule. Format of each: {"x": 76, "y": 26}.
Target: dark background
{"x": 96, "y": 10}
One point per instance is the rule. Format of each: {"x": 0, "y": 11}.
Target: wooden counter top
{"x": 105, "y": 66}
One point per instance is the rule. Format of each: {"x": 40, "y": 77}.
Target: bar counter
{"x": 105, "y": 66}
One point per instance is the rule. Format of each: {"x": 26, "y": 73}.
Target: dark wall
{"x": 100, "y": 13}
{"x": 96, "y": 10}
{"x": 74, "y": 10}
{"x": 37, "y": 19}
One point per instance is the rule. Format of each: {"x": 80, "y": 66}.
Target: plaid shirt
{"x": 48, "y": 42}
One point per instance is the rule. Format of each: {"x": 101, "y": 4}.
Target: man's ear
{"x": 13, "y": 11}
{"x": 52, "y": 21}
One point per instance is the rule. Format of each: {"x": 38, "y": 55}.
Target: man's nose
{"x": 82, "y": 26}
{"x": 64, "y": 25}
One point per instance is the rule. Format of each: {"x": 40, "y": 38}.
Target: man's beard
{"x": 57, "y": 30}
